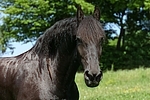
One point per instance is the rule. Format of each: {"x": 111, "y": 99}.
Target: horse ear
{"x": 96, "y": 13}
{"x": 80, "y": 14}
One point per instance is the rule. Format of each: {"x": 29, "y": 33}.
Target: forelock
{"x": 90, "y": 30}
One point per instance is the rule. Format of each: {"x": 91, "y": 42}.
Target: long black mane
{"x": 59, "y": 33}
{"x": 58, "y": 40}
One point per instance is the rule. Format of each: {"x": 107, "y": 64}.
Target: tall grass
{"x": 119, "y": 85}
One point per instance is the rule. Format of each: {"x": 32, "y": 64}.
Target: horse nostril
{"x": 99, "y": 76}
{"x": 91, "y": 78}
{"x": 96, "y": 76}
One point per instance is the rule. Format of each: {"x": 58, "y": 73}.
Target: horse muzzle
{"x": 92, "y": 80}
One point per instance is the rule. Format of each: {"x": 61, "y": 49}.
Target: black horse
{"x": 47, "y": 71}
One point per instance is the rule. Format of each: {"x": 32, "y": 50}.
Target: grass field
{"x": 119, "y": 85}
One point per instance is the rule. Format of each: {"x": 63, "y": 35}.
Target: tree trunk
{"x": 120, "y": 38}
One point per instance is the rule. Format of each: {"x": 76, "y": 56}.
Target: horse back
{"x": 18, "y": 77}
{"x": 7, "y": 73}
{"x": 8, "y": 69}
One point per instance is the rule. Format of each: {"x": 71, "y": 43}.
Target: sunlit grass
{"x": 119, "y": 85}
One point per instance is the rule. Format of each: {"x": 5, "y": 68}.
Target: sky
{"x": 19, "y": 49}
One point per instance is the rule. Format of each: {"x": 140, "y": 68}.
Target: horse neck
{"x": 66, "y": 60}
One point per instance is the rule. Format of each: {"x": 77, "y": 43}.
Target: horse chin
{"x": 91, "y": 83}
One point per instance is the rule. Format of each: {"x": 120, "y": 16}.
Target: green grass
{"x": 119, "y": 85}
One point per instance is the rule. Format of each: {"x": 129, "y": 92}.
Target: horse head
{"x": 89, "y": 37}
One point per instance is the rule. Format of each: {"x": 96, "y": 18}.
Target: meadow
{"x": 118, "y": 85}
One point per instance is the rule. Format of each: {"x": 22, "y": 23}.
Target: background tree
{"x": 131, "y": 47}
{"x": 25, "y": 20}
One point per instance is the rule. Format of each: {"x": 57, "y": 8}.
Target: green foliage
{"x": 132, "y": 44}
{"x": 135, "y": 53}
{"x": 147, "y": 4}
{"x": 25, "y": 20}
{"x": 119, "y": 85}
{"x": 87, "y": 7}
